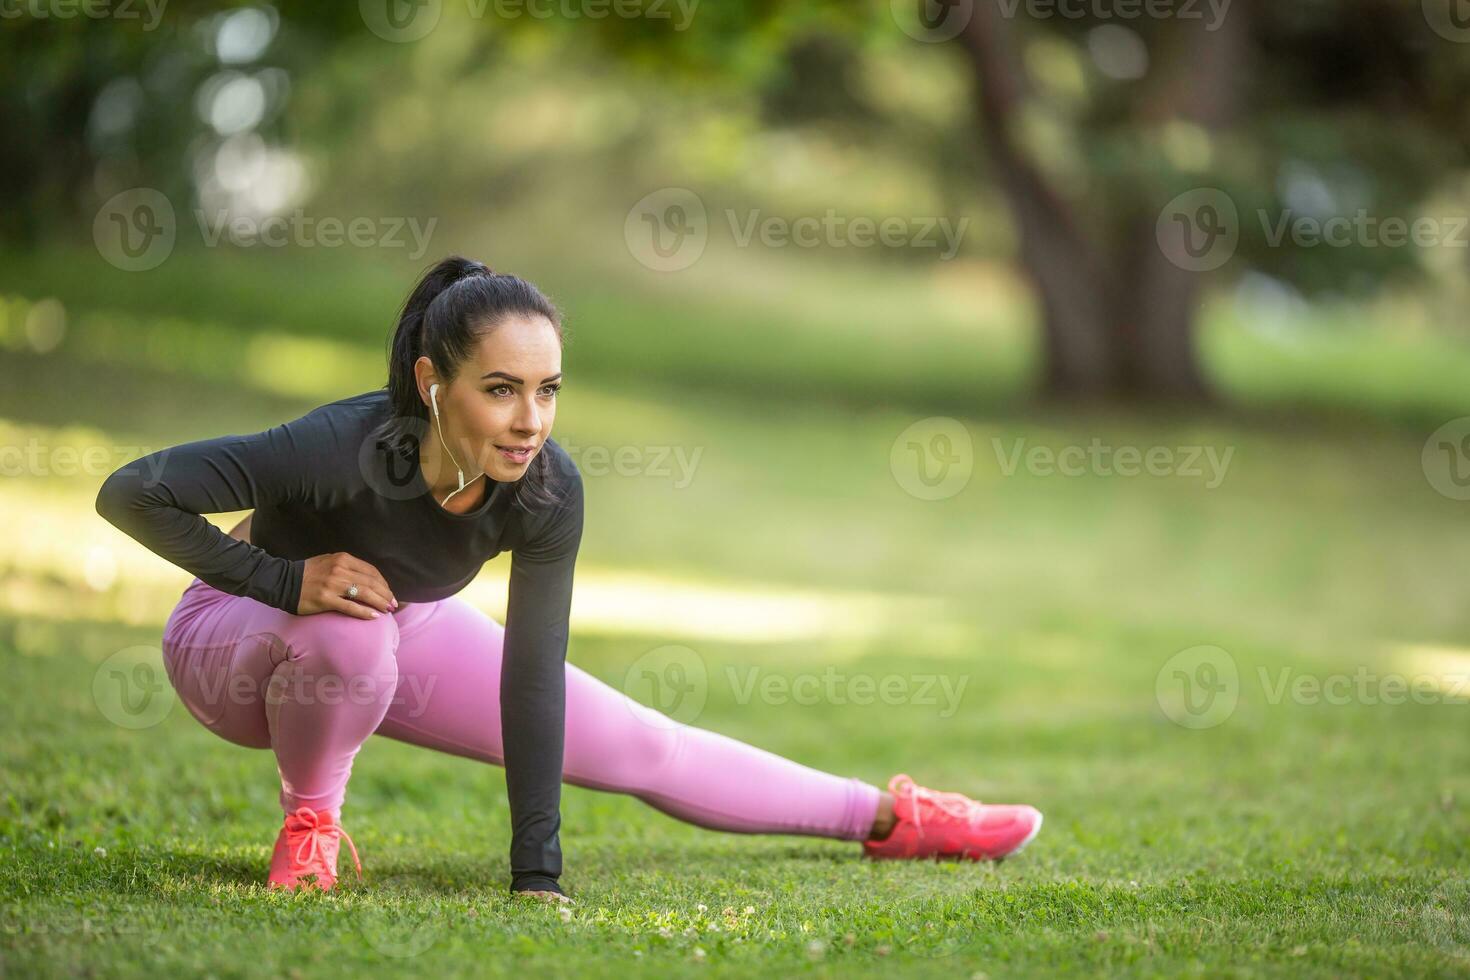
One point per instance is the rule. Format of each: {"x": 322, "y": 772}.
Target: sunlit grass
{"x": 1298, "y": 836}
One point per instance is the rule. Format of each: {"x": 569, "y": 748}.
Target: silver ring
{"x": 352, "y": 592}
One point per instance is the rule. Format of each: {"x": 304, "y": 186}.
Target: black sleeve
{"x": 158, "y": 500}
{"x": 533, "y": 690}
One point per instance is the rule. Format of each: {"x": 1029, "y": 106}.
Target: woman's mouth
{"x": 516, "y": 454}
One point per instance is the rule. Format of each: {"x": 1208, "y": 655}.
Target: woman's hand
{"x": 326, "y": 578}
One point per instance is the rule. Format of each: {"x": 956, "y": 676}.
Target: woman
{"x": 331, "y": 614}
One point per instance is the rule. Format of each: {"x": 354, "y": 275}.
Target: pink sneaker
{"x": 952, "y": 825}
{"x": 306, "y": 851}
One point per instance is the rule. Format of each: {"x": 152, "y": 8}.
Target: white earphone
{"x": 434, "y": 401}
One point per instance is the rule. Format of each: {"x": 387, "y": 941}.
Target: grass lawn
{"x": 1311, "y": 820}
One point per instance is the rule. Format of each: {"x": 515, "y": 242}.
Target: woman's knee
{"x": 334, "y": 644}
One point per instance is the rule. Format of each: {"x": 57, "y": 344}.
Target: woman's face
{"x": 498, "y": 411}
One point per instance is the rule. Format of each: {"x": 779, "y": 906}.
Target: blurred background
{"x": 1107, "y": 362}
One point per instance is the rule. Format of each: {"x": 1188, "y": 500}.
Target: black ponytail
{"x": 452, "y": 306}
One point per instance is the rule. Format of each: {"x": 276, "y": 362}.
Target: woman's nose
{"x": 528, "y": 420}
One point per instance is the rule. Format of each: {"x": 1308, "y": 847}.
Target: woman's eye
{"x": 551, "y": 390}
{"x": 498, "y": 389}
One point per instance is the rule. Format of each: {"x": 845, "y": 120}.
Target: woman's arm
{"x": 158, "y": 501}
{"x": 533, "y": 691}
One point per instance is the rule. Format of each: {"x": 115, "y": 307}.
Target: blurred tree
{"x": 1096, "y": 115}
{"x": 1092, "y": 116}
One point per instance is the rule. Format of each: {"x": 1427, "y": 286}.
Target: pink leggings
{"x": 313, "y": 688}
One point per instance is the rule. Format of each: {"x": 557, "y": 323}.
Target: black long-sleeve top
{"x": 328, "y": 482}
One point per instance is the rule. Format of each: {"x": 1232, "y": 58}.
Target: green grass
{"x": 1294, "y": 838}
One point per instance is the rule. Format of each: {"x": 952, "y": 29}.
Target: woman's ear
{"x": 425, "y": 377}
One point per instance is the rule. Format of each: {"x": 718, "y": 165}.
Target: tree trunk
{"x": 1120, "y": 327}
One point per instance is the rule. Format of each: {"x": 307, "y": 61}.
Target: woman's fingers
{"x": 371, "y": 578}
{"x": 354, "y": 609}
{"x": 327, "y": 578}
{"x": 367, "y": 595}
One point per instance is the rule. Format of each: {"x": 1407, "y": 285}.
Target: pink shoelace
{"x": 309, "y": 855}
{"x": 955, "y": 804}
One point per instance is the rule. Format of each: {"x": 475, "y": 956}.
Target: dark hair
{"x": 455, "y": 303}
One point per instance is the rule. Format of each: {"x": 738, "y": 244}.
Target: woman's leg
{"x": 448, "y": 699}
{"x": 311, "y": 688}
